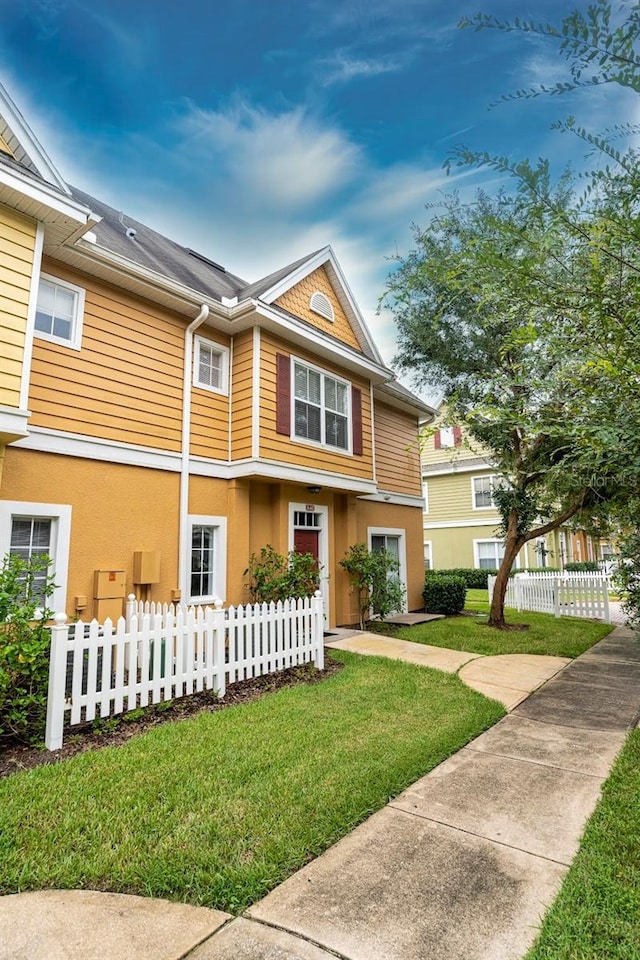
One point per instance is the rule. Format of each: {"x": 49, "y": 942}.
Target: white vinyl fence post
{"x": 605, "y": 594}
{"x": 219, "y": 647}
{"x": 318, "y": 629}
{"x": 556, "y": 597}
{"x": 57, "y": 682}
{"x": 130, "y": 609}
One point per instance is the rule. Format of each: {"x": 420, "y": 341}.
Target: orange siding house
{"x": 162, "y": 418}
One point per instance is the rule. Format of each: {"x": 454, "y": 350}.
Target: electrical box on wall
{"x": 146, "y": 566}
{"x": 109, "y": 584}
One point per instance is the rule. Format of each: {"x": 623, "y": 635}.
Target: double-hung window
{"x": 482, "y": 488}
{"x": 207, "y": 562}
{"x": 59, "y": 311}
{"x": 211, "y": 366}
{"x": 29, "y": 530}
{"x": 321, "y": 407}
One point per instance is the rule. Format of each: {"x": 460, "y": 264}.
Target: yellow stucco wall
{"x": 115, "y": 510}
{"x": 409, "y": 519}
{"x": 296, "y": 301}
{"x": 17, "y": 246}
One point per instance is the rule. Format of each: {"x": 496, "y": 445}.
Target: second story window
{"x": 482, "y": 488}
{"x": 321, "y": 407}
{"x": 59, "y": 312}
{"x": 211, "y": 366}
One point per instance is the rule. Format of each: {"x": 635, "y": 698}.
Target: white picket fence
{"x": 162, "y": 652}
{"x": 571, "y": 594}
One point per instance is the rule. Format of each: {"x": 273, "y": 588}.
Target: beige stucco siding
{"x": 450, "y": 498}
{"x": 16, "y": 269}
{"x": 125, "y": 383}
{"x": 275, "y": 446}
{"x": 296, "y": 301}
{"x": 395, "y": 517}
{"x": 397, "y": 451}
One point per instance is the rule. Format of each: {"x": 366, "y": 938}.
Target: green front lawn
{"x": 220, "y": 808}
{"x": 597, "y": 913}
{"x": 561, "y": 637}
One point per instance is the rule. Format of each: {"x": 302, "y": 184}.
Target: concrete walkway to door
{"x": 508, "y": 678}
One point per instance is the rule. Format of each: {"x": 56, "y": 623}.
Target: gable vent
{"x": 321, "y": 304}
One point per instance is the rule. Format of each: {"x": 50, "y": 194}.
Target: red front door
{"x": 307, "y": 541}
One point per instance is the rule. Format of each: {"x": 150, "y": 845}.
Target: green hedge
{"x": 444, "y": 594}
{"x": 587, "y": 566}
{"x": 473, "y": 579}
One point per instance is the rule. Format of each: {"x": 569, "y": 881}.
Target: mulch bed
{"x": 16, "y": 757}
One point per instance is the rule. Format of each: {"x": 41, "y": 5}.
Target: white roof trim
{"x": 338, "y": 280}
{"x": 35, "y": 155}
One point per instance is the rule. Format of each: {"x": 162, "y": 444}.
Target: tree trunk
{"x": 512, "y": 545}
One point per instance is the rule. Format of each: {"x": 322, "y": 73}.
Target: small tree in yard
{"x": 374, "y": 577}
{"x": 274, "y": 576}
{"x": 25, "y": 587}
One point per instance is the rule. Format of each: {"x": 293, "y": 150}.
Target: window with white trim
{"x": 39, "y": 529}
{"x": 207, "y": 559}
{"x": 482, "y": 489}
{"x": 59, "y": 311}
{"x": 321, "y": 411}
{"x": 428, "y": 555}
{"x": 447, "y": 437}
{"x": 488, "y": 554}
{"x": 211, "y": 366}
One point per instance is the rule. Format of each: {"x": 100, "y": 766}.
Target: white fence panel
{"x": 574, "y": 595}
{"x": 161, "y": 652}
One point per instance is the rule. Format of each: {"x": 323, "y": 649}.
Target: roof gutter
{"x": 186, "y": 445}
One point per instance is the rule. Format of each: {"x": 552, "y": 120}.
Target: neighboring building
{"x": 161, "y": 418}
{"x": 461, "y": 521}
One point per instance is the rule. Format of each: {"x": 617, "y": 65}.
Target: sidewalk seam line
{"x": 480, "y": 836}
{"x": 209, "y": 936}
{"x": 293, "y": 933}
{"x": 537, "y": 763}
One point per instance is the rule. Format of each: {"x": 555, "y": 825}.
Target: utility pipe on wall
{"x": 186, "y": 445}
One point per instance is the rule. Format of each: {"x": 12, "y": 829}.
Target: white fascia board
{"x": 458, "y": 468}
{"x": 29, "y": 142}
{"x": 13, "y": 424}
{"x": 324, "y": 256}
{"x": 111, "y": 451}
{"x": 447, "y": 524}
{"x": 399, "y": 499}
{"x": 45, "y": 194}
{"x": 189, "y": 297}
{"x": 284, "y": 324}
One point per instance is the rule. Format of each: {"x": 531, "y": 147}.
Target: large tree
{"x": 524, "y": 310}
{"x": 487, "y": 308}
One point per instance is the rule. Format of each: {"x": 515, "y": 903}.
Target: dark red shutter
{"x": 356, "y": 414}
{"x": 283, "y": 394}
{"x": 436, "y": 440}
{"x": 457, "y": 436}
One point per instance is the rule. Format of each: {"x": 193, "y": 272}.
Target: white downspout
{"x": 186, "y": 444}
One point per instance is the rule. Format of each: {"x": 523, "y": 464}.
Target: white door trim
{"x": 323, "y": 544}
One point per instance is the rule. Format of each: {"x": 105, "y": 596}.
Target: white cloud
{"x": 288, "y": 160}
{"x": 343, "y": 67}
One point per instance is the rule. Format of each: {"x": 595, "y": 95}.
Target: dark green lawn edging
{"x": 597, "y": 913}
{"x": 546, "y": 634}
{"x": 220, "y": 808}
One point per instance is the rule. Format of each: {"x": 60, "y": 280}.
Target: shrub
{"x": 587, "y": 566}
{"x": 276, "y": 577}
{"x": 25, "y": 587}
{"x": 473, "y": 579}
{"x": 373, "y": 576}
{"x": 444, "y": 594}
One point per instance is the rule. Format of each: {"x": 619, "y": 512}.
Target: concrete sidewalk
{"x": 461, "y": 866}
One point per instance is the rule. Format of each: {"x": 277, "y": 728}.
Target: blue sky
{"x": 259, "y": 131}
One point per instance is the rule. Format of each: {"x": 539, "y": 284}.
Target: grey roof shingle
{"x": 260, "y": 286}
{"x": 152, "y": 250}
